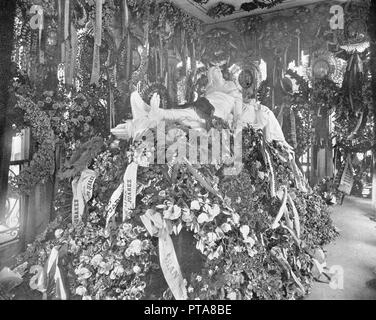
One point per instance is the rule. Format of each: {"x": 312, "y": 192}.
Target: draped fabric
{"x": 261, "y": 117}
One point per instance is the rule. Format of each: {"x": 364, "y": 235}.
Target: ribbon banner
{"x": 50, "y": 272}
{"x": 130, "y": 190}
{"x": 347, "y": 179}
{"x": 82, "y": 193}
{"x": 114, "y": 201}
{"x": 156, "y": 226}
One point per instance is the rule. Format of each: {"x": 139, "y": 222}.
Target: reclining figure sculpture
{"x": 223, "y": 100}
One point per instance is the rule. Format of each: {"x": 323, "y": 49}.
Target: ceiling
{"x": 199, "y": 10}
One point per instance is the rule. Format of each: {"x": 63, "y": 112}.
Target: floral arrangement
{"x": 244, "y": 247}
{"x": 64, "y": 117}
{"x": 232, "y": 223}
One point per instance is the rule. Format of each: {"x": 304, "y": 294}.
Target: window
{"x": 11, "y": 226}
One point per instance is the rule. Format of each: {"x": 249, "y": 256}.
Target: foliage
{"x": 327, "y": 189}
{"x": 300, "y": 103}
{"x": 347, "y": 120}
{"x": 65, "y": 117}
{"x": 82, "y": 158}
{"x": 42, "y": 165}
{"x": 233, "y": 235}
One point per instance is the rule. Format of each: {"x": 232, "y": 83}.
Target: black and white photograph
{"x": 206, "y": 152}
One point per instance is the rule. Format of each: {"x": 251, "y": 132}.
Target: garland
{"x": 42, "y": 165}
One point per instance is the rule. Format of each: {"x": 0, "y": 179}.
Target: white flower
{"x": 105, "y": 268}
{"x": 244, "y": 231}
{"x": 172, "y": 213}
{"x": 83, "y": 273}
{"x": 195, "y": 205}
{"x": 216, "y": 254}
{"x": 118, "y": 270}
{"x": 190, "y": 289}
{"x": 226, "y": 227}
{"x": 212, "y": 237}
{"x": 251, "y": 252}
{"x": 249, "y": 241}
{"x": 231, "y": 296}
{"x": 215, "y": 211}
{"x": 237, "y": 249}
{"x": 112, "y": 275}
{"x": 162, "y": 194}
{"x": 59, "y": 233}
{"x": 84, "y": 259}
{"x": 87, "y": 298}
{"x": 135, "y": 247}
{"x": 203, "y": 217}
{"x": 199, "y": 278}
{"x": 219, "y": 233}
{"x": 81, "y": 291}
{"x": 187, "y": 216}
{"x": 235, "y": 218}
{"x": 136, "y": 269}
{"x": 96, "y": 260}
{"x": 73, "y": 246}
{"x": 127, "y": 227}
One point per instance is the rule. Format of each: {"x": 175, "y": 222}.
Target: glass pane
{"x": 20, "y": 146}
{"x": 10, "y": 226}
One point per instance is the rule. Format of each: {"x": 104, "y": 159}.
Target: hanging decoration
{"x": 356, "y": 26}
{"x": 247, "y": 77}
{"x": 347, "y": 180}
{"x": 354, "y": 80}
{"x": 324, "y": 65}
{"x": 258, "y": 4}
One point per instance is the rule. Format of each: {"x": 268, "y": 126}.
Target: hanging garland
{"x": 42, "y": 165}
